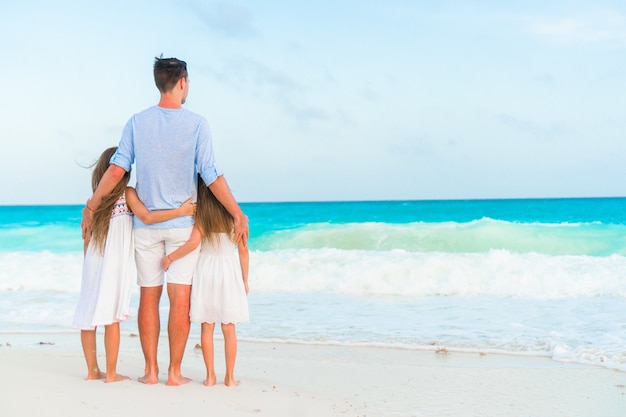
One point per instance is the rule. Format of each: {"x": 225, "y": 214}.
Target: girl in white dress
{"x": 108, "y": 267}
{"x": 219, "y": 287}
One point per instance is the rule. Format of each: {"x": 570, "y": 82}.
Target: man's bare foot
{"x": 95, "y": 375}
{"x": 149, "y": 379}
{"x": 115, "y": 378}
{"x": 230, "y": 381}
{"x": 210, "y": 379}
{"x": 174, "y": 381}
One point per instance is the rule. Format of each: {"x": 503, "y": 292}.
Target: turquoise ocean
{"x": 538, "y": 277}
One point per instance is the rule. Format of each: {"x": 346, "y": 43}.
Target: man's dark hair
{"x": 167, "y": 72}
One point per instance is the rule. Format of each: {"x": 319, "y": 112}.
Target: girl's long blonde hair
{"x": 102, "y": 214}
{"x": 211, "y": 216}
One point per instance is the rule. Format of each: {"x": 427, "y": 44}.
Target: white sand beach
{"x": 44, "y": 375}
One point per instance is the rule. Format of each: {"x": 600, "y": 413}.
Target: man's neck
{"x": 168, "y": 101}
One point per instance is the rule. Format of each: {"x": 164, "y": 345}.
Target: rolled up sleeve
{"x": 125, "y": 154}
{"x": 205, "y": 162}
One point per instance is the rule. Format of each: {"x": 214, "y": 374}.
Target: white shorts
{"x": 151, "y": 245}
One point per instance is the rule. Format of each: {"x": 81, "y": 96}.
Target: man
{"x": 168, "y": 145}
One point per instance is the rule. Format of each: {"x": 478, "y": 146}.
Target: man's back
{"x": 168, "y": 147}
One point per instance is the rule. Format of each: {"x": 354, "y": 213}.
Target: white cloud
{"x": 531, "y": 129}
{"x": 596, "y": 27}
{"x": 226, "y": 19}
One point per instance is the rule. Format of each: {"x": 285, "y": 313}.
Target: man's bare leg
{"x": 178, "y": 330}
{"x": 206, "y": 341}
{"x": 112, "y": 348}
{"x": 88, "y": 341}
{"x": 149, "y": 329}
{"x": 230, "y": 350}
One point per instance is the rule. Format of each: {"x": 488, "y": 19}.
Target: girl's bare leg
{"x": 112, "y": 348}
{"x": 230, "y": 349}
{"x": 88, "y": 340}
{"x": 206, "y": 341}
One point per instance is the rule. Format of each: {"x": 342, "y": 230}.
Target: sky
{"x": 327, "y": 100}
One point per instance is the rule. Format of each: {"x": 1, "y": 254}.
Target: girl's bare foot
{"x": 230, "y": 381}
{"x": 115, "y": 378}
{"x": 95, "y": 374}
{"x": 210, "y": 379}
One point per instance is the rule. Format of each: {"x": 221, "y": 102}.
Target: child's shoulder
{"x": 120, "y": 206}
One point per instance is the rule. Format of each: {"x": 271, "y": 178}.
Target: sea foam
{"x": 499, "y": 273}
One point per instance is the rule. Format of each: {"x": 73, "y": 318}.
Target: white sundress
{"x": 107, "y": 279}
{"x": 217, "y": 291}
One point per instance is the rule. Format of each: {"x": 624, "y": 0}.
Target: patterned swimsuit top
{"x": 120, "y": 208}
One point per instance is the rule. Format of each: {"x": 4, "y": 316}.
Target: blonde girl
{"x": 108, "y": 268}
{"x": 219, "y": 287}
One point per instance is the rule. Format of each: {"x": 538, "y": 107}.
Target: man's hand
{"x": 86, "y": 221}
{"x": 112, "y": 176}
{"x": 241, "y": 229}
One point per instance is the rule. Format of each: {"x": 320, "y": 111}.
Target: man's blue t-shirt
{"x": 168, "y": 147}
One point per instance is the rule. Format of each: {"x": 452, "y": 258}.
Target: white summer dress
{"x": 217, "y": 291}
{"x": 107, "y": 279}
